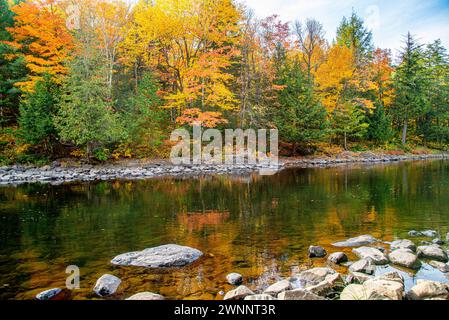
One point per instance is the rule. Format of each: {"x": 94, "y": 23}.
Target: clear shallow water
{"x": 259, "y": 226}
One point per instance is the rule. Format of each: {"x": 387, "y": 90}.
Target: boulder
{"x": 405, "y": 258}
{"x": 299, "y": 294}
{"x": 262, "y": 296}
{"x": 238, "y": 293}
{"x": 390, "y": 286}
{"x": 437, "y": 241}
{"x": 363, "y": 266}
{"x": 377, "y": 257}
{"x": 360, "y": 292}
{"x": 146, "y": 296}
{"x": 278, "y": 287}
{"x": 169, "y": 255}
{"x": 403, "y": 244}
{"x": 429, "y": 233}
{"x": 313, "y": 276}
{"x": 439, "y": 265}
{"x": 356, "y": 242}
{"x": 425, "y": 289}
{"x": 317, "y": 252}
{"x": 331, "y": 283}
{"x": 357, "y": 277}
{"x": 106, "y": 285}
{"x": 337, "y": 257}
{"x": 234, "y": 278}
{"x": 414, "y": 233}
{"x": 433, "y": 252}
{"x": 48, "y": 294}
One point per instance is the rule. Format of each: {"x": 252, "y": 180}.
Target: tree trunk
{"x": 346, "y": 142}
{"x": 404, "y": 132}
{"x": 293, "y": 149}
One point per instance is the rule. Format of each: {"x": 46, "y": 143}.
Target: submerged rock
{"x": 146, "y": 296}
{"x": 48, "y": 294}
{"x": 414, "y": 233}
{"x": 278, "y": 287}
{"x": 429, "y": 233}
{"x": 405, "y": 258}
{"x": 106, "y": 285}
{"x": 337, "y": 257}
{"x": 425, "y": 289}
{"x": 363, "y": 266}
{"x": 238, "y": 293}
{"x": 403, "y": 244}
{"x": 169, "y": 255}
{"x": 375, "y": 255}
{"x": 299, "y": 294}
{"x": 433, "y": 252}
{"x": 443, "y": 267}
{"x": 262, "y": 296}
{"x": 234, "y": 278}
{"x": 357, "y": 241}
{"x": 317, "y": 252}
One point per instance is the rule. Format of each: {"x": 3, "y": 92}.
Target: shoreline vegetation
{"x": 104, "y": 80}
{"x": 74, "y": 171}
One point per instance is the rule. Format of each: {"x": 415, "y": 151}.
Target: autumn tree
{"x": 41, "y": 39}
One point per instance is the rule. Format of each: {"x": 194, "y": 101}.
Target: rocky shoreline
{"x": 58, "y": 173}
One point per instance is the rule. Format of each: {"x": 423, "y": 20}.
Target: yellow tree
{"x": 41, "y": 38}
{"x": 191, "y": 45}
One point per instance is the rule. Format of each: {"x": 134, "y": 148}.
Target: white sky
{"x": 389, "y": 20}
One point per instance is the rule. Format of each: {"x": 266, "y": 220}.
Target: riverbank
{"x": 60, "y": 171}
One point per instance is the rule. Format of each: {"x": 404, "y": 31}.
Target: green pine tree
{"x": 349, "y": 123}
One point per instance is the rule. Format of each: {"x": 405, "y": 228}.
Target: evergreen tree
{"x": 380, "y": 130}
{"x": 36, "y": 114}
{"x": 349, "y": 123}
{"x": 300, "y": 119}
{"x": 410, "y": 83}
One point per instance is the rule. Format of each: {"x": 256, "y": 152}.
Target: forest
{"x": 106, "y": 79}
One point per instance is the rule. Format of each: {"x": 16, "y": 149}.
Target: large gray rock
{"x": 313, "y": 276}
{"x": 357, "y": 241}
{"x": 278, "y": 287}
{"x": 234, "y": 278}
{"x": 262, "y": 296}
{"x": 169, "y": 255}
{"x": 443, "y": 267}
{"x": 377, "y": 257}
{"x": 331, "y": 284}
{"x": 414, "y": 233}
{"x": 425, "y": 289}
{"x": 317, "y": 252}
{"x": 429, "y": 233}
{"x": 238, "y": 293}
{"x": 48, "y": 294}
{"x": 358, "y": 277}
{"x": 363, "y": 266}
{"x": 360, "y": 292}
{"x": 405, "y": 258}
{"x": 437, "y": 241}
{"x": 106, "y": 285}
{"x": 337, "y": 257}
{"x": 146, "y": 296}
{"x": 433, "y": 252}
{"x": 299, "y": 294}
{"x": 403, "y": 244}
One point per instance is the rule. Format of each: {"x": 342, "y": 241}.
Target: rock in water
{"x": 390, "y": 286}
{"x": 146, "y": 296}
{"x": 373, "y": 254}
{"x": 278, "y": 287}
{"x": 165, "y": 256}
{"x": 313, "y": 276}
{"x": 414, "y": 233}
{"x": 405, "y": 258}
{"x": 238, "y": 293}
{"x": 425, "y": 289}
{"x": 437, "y": 241}
{"x": 337, "y": 257}
{"x": 440, "y": 266}
{"x": 262, "y": 296}
{"x": 433, "y": 252}
{"x": 363, "y": 266}
{"x": 317, "y": 252}
{"x": 356, "y": 242}
{"x": 357, "y": 277}
{"x": 299, "y": 294}
{"x": 106, "y": 285}
{"x": 48, "y": 294}
{"x": 403, "y": 244}
{"x": 234, "y": 278}
{"x": 359, "y": 292}
{"x": 429, "y": 233}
